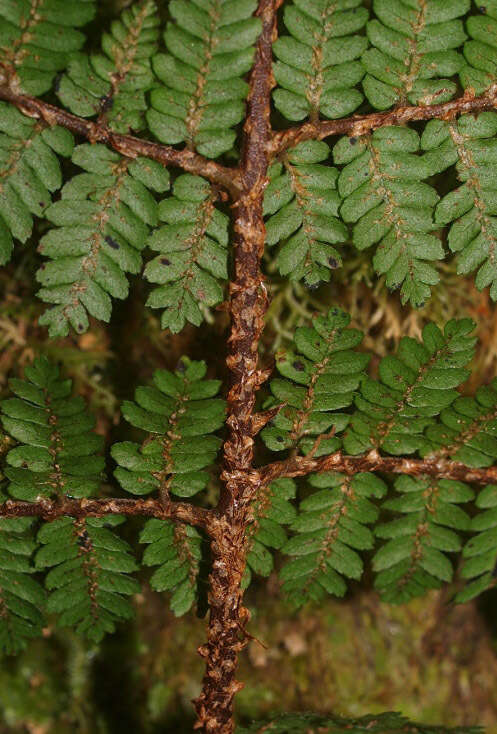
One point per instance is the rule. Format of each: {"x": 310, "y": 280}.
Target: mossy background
{"x": 434, "y": 662}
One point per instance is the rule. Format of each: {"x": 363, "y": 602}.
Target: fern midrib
{"x": 338, "y": 511}
{"x": 86, "y": 552}
{"x": 125, "y": 50}
{"x": 413, "y": 61}
{"x": 195, "y": 112}
{"x": 182, "y": 545}
{"x": 165, "y": 475}
{"x": 303, "y": 415}
{"x": 107, "y": 202}
{"x": 315, "y": 88}
{"x": 477, "y": 426}
{"x": 17, "y": 152}
{"x": 473, "y": 182}
{"x": 302, "y": 199}
{"x": 422, "y": 530}
{"x": 384, "y": 428}
{"x": 18, "y": 51}
{"x": 379, "y": 178}
{"x": 56, "y": 476}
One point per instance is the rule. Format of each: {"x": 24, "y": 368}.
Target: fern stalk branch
{"x": 248, "y": 305}
{"x": 300, "y": 466}
{"x": 357, "y": 125}
{"x": 82, "y": 508}
{"x": 127, "y": 145}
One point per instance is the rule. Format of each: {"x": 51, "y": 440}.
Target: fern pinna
{"x": 208, "y": 145}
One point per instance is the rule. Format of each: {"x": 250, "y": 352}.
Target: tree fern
{"x": 320, "y": 377}
{"x": 471, "y": 207}
{"x": 21, "y": 597}
{"x": 102, "y": 221}
{"x": 210, "y": 45}
{"x": 479, "y": 52}
{"x": 318, "y": 64}
{"x": 177, "y": 550}
{"x": 39, "y": 37}
{"x": 414, "y": 51}
{"x": 192, "y": 265}
{"x": 112, "y": 84}
{"x": 389, "y": 205}
{"x": 302, "y": 205}
{"x": 414, "y": 387}
{"x": 414, "y": 556}
{"x": 330, "y": 528}
{"x": 29, "y": 172}
{"x": 180, "y": 413}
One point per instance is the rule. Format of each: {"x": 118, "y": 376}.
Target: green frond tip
{"x": 413, "y": 54}
{"x": 318, "y": 64}
{"x": 89, "y": 574}
{"x": 177, "y": 550}
{"x": 113, "y": 84}
{"x": 391, "y": 207}
{"x": 57, "y": 447}
{"x": 414, "y": 387}
{"x": 330, "y": 528}
{"x": 29, "y": 173}
{"x": 372, "y": 724}
{"x": 480, "y": 72}
{"x": 480, "y": 552}
{"x": 101, "y": 223}
{"x": 428, "y": 526}
{"x": 271, "y": 511}
{"x": 191, "y": 268}
{"x": 210, "y": 47}
{"x": 39, "y": 37}
{"x": 470, "y": 209}
{"x": 467, "y": 430}
{"x": 301, "y": 203}
{"x": 180, "y": 413}
{"x": 21, "y": 597}
{"x": 319, "y": 377}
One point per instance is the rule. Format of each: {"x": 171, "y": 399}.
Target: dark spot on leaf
{"x": 181, "y": 366}
{"x": 42, "y": 204}
{"x": 81, "y": 327}
{"x": 333, "y": 262}
{"x": 106, "y": 103}
{"x": 280, "y": 439}
{"x": 482, "y": 9}
{"x": 42, "y": 266}
{"x": 57, "y": 82}
{"x": 24, "y": 464}
{"x": 165, "y": 261}
{"x": 352, "y": 140}
{"x": 112, "y": 243}
{"x": 299, "y": 366}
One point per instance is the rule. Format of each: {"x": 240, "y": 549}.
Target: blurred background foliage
{"x": 433, "y": 661}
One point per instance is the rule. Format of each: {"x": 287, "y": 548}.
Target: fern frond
{"x": 102, "y": 221}
{"x": 210, "y": 45}
{"x": 29, "y": 172}
{"x": 414, "y": 387}
{"x": 113, "y": 84}
{"x": 271, "y": 510}
{"x": 57, "y": 451}
{"x": 21, "y": 597}
{"x": 39, "y": 37}
{"x": 177, "y": 550}
{"x": 467, "y": 430}
{"x": 302, "y": 204}
{"x": 191, "y": 268}
{"x": 390, "y": 205}
{"x": 331, "y": 527}
{"x": 414, "y": 557}
{"x": 480, "y": 51}
{"x": 373, "y": 724}
{"x": 480, "y": 552}
{"x": 320, "y": 377}
{"x": 88, "y": 580}
{"x": 414, "y": 51}
{"x": 318, "y": 64}
{"x": 471, "y": 208}
{"x": 180, "y": 413}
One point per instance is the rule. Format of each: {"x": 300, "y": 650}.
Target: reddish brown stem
{"x": 300, "y": 466}
{"x": 360, "y": 124}
{"x": 80, "y": 508}
{"x": 248, "y": 305}
{"x": 127, "y": 145}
